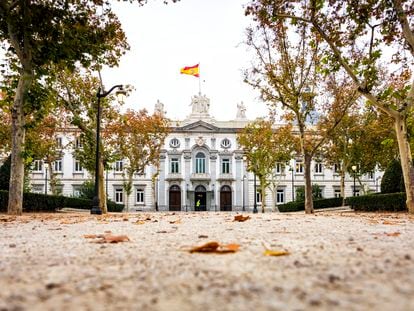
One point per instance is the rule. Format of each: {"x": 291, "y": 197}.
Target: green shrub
{"x": 5, "y": 174}
{"x": 36, "y": 202}
{"x": 316, "y": 193}
{"x": 392, "y": 180}
{"x": 317, "y": 204}
{"x": 391, "y": 202}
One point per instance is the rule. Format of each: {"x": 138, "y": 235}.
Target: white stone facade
{"x": 202, "y": 168}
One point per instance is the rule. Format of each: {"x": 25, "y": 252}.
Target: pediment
{"x": 199, "y": 126}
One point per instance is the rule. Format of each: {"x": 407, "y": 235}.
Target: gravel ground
{"x": 337, "y": 261}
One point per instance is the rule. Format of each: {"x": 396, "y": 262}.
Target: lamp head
{"x": 121, "y": 94}
{"x": 354, "y": 167}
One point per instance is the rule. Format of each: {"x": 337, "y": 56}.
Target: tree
{"x": 287, "y": 73}
{"x": 355, "y": 34}
{"x": 139, "y": 138}
{"x": 40, "y": 33}
{"x": 392, "y": 180}
{"x": 264, "y": 147}
{"x": 76, "y": 93}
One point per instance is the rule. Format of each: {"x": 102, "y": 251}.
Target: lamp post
{"x": 354, "y": 167}
{"x": 45, "y": 178}
{"x": 255, "y": 196}
{"x": 186, "y": 196}
{"x": 214, "y": 197}
{"x": 244, "y": 190}
{"x": 121, "y": 92}
{"x": 291, "y": 168}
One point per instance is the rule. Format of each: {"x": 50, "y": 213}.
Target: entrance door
{"x": 175, "y": 198}
{"x": 200, "y": 198}
{"x": 225, "y": 199}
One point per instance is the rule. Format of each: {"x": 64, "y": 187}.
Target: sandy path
{"x": 338, "y": 261}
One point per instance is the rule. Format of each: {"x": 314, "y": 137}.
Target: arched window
{"x": 200, "y": 163}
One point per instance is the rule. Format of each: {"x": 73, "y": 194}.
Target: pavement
{"x": 331, "y": 260}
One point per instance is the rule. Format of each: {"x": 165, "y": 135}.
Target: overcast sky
{"x": 165, "y": 38}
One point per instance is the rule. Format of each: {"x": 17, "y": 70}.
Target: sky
{"x": 165, "y": 38}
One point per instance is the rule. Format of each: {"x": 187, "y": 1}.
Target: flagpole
{"x": 199, "y": 79}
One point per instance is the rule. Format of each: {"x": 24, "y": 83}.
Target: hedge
{"x": 390, "y": 202}
{"x": 317, "y": 204}
{"x": 36, "y": 202}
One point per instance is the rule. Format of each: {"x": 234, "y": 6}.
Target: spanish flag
{"x": 193, "y": 71}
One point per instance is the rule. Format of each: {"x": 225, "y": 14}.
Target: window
{"x": 280, "y": 196}
{"x": 318, "y": 168}
{"x": 200, "y": 163}
{"x": 76, "y": 191}
{"x": 225, "y": 143}
{"x": 78, "y": 166}
{"x": 279, "y": 168}
{"x": 58, "y": 142}
{"x": 175, "y": 166}
{"x": 37, "y": 166}
{"x": 370, "y": 175}
{"x": 140, "y": 196}
{"x": 119, "y": 166}
{"x": 37, "y": 188}
{"x": 355, "y": 192}
{"x": 258, "y": 196}
{"x": 337, "y": 192}
{"x": 57, "y": 165}
{"x": 174, "y": 143}
{"x": 225, "y": 166}
{"x": 299, "y": 168}
{"x": 337, "y": 168}
{"x": 119, "y": 195}
{"x": 78, "y": 143}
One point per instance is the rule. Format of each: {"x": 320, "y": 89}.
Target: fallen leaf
{"x": 269, "y": 252}
{"x": 177, "y": 221}
{"x": 387, "y": 222}
{"x": 216, "y": 248}
{"x": 92, "y": 236}
{"x": 108, "y": 238}
{"x": 241, "y": 218}
{"x": 202, "y": 236}
{"x": 139, "y": 222}
{"x": 393, "y": 234}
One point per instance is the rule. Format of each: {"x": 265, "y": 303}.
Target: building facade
{"x": 201, "y": 169}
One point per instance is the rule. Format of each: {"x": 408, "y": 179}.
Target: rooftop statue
{"x": 200, "y": 104}
{"x": 241, "y": 111}
{"x": 159, "y": 108}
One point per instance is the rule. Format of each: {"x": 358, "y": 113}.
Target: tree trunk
{"x": 52, "y": 178}
{"x": 308, "y": 185}
{"x": 263, "y": 192}
{"x": 15, "y": 205}
{"x": 342, "y": 184}
{"x": 101, "y": 190}
{"x": 406, "y": 160}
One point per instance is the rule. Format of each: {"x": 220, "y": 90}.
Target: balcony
{"x": 200, "y": 176}
{"x": 174, "y": 176}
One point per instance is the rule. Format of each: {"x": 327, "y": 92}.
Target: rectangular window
{"x": 119, "y": 195}
{"x": 337, "y": 168}
{"x": 258, "y": 196}
{"x": 200, "y": 165}
{"x": 357, "y": 193}
{"x": 59, "y": 142}
{"x": 370, "y": 175}
{"x": 140, "y": 196}
{"x": 78, "y": 167}
{"x": 119, "y": 166}
{"x": 299, "y": 168}
{"x": 318, "y": 168}
{"x": 279, "y": 168}
{"x": 225, "y": 166}
{"x": 175, "y": 166}
{"x": 78, "y": 143}
{"x": 37, "y": 166}
{"x": 280, "y": 196}
{"x": 58, "y": 166}
{"x": 76, "y": 191}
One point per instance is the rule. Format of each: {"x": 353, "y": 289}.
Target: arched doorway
{"x": 225, "y": 199}
{"x": 175, "y": 198}
{"x": 200, "y": 198}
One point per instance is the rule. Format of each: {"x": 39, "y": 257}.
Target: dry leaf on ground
{"x": 107, "y": 238}
{"x": 269, "y": 252}
{"x": 177, "y": 221}
{"x": 393, "y": 234}
{"x": 215, "y": 248}
{"x": 241, "y": 218}
{"x": 139, "y": 222}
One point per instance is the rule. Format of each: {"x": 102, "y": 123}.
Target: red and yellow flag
{"x": 193, "y": 71}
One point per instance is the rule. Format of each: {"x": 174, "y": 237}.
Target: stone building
{"x": 201, "y": 168}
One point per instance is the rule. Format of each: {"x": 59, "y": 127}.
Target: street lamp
{"x": 121, "y": 95}
{"x": 354, "y": 167}
{"x": 291, "y": 168}
{"x": 244, "y": 190}
{"x": 255, "y": 196}
{"x": 45, "y": 164}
